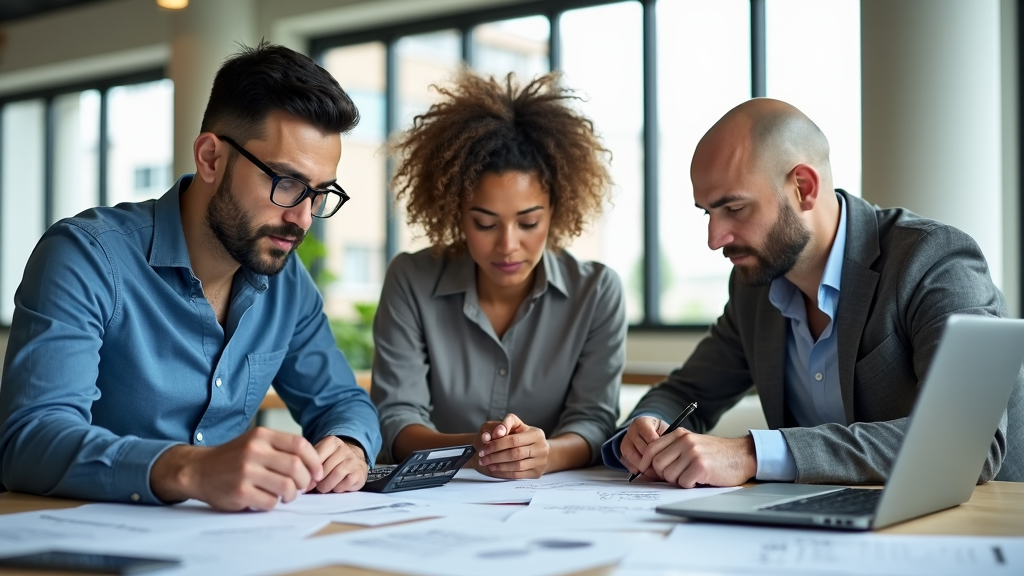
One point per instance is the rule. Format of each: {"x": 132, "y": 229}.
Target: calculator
{"x": 422, "y": 469}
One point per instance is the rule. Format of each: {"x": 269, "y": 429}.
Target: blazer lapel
{"x": 769, "y": 370}
{"x": 857, "y": 290}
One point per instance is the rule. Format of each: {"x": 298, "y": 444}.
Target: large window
{"x": 654, "y": 76}
{"x": 63, "y": 151}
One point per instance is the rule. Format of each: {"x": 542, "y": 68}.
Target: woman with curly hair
{"x": 496, "y": 336}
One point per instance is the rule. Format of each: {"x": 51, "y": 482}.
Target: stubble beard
{"x": 232, "y": 225}
{"x": 783, "y": 246}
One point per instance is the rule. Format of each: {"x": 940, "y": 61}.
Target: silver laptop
{"x": 946, "y": 442}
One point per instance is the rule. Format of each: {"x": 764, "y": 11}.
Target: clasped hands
{"x": 685, "y": 458}
{"x": 258, "y": 469}
{"x": 511, "y": 449}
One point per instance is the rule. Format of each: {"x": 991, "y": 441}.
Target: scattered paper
{"x": 615, "y": 508}
{"x": 407, "y": 510}
{"x": 331, "y": 503}
{"x": 471, "y": 487}
{"x": 694, "y": 547}
{"x": 463, "y": 547}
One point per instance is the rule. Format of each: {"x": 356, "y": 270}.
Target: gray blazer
{"x": 902, "y": 276}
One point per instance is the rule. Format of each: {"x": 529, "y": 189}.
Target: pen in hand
{"x": 675, "y": 424}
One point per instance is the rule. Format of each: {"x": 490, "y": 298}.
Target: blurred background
{"x": 100, "y": 101}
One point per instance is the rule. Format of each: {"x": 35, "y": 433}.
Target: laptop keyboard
{"x": 851, "y": 501}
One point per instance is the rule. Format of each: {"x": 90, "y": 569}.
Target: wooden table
{"x": 995, "y": 509}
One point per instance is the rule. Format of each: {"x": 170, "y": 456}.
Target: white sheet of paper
{"x": 702, "y": 547}
{"x": 403, "y": 510}
{"x": 329, "y": 504}
{"x": 607, "y": 508}
{"x": 220, "y": 556}
{"x": 463, "y": 547}
{"x": 471, "y": 487}
{"x": 103, "y": 523}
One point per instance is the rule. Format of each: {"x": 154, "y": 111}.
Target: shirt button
{"x": 136, "y": 497}
{"x": 818, "y": 376}
{"x": 199, "y": 436}
{"x": 217, "y": 382}
{"x": 502, "y": 371}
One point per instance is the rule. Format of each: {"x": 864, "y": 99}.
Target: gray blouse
{"x": 439, "y": 363}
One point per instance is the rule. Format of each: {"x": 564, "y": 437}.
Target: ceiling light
{"x": 172, "y": 4}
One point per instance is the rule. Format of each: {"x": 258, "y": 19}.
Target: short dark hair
{"x": 258, "y": 80}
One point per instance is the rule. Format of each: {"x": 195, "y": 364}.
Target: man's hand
{"x": 254, "y": 470}
{"x": 344, "y": 464}
{"x": 687, "y": 459}
{"x": 641, "y": 433}
{"x": 511, "y": 449}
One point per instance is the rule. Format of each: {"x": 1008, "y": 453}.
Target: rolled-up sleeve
{"x": 400, "y": 364}
{"x": 592, "y": 404}
{"x": 48, "y": 444}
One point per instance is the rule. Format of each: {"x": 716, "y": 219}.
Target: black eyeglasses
{"x": 288, "y": 192}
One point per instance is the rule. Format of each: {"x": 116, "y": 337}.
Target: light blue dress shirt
{"x": 812, "y": 387}
{"x": 115, "y": 355}
{"x": 813, "y": 394}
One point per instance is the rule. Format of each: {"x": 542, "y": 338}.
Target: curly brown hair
{"x": 484, "y": 126}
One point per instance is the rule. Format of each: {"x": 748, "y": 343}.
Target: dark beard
{"x": 786, "y": 240}
{"x": 232, "y": 226}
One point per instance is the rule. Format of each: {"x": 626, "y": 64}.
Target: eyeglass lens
{"x": 290, "y": 191}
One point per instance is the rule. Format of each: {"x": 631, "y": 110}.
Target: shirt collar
{"x": 459, "y": 276}
{"x": 169, "y": 248}
{"x": 783, "y": 293}
{"x": 834, "y": 265}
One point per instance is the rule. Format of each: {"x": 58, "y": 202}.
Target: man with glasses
{"x": 146, "y": 335}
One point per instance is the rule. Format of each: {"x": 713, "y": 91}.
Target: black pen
{"x": 671, "y": 427}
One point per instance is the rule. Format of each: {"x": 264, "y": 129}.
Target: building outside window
{"x": 709, "y": 55}
{"x": 63, "y": 151}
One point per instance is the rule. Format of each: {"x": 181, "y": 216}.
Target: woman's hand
{"x": 511, "y": 449}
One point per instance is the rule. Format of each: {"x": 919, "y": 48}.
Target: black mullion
{"x": 120, "y": 80}
{"x": 101, "y": 152}
{"x": 1020, "y": 147}
{"x": 652, "y": 255}
{"x": 555, "y": 40}
{"x": 449, "y": 21}
{"x": 758, "y": 55}
{"x": 49, "y": 135}
{"x": 468, "y": 48}
{"x": 390, "y": 125}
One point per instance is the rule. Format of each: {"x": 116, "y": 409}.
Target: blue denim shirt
{"x": 115, "y": 355}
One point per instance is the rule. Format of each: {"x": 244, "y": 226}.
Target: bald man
{"x": 835, "y": 310}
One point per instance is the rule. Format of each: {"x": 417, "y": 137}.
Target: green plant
{"x": 353, "y": 337}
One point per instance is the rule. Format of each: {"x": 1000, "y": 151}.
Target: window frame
{"x": 48, "y": 95}
{"x": 464, "y": 22}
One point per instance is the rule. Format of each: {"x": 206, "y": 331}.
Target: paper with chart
{"x": 404, "y": 510}
{"x": 465, "y": 547}
{"x": 607, "y": 508}
{"x": 220, "y": 557}
{"x": 471, "y": 487}
{"x": 697, "y": 547}
{"x": 107, "y": 523}
{"x": 331, "y": 503}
